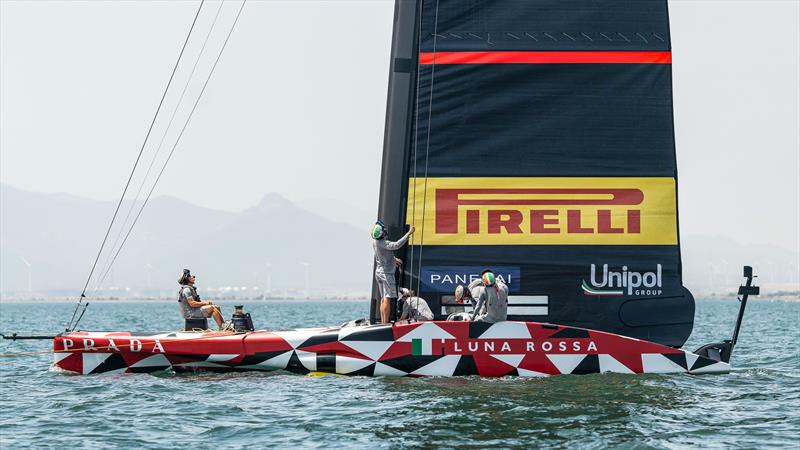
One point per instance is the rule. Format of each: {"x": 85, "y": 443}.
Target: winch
{"x": 241, "y": 320}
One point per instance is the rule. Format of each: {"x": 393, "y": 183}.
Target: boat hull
{"x": 527, "y": 349}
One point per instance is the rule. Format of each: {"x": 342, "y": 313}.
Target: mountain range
{"x": 270, "y": 245}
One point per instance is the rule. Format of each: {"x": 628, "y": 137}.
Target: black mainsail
{"x": 535, "y": 137}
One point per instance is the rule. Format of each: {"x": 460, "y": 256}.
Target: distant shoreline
{"x": 169, "y": 300}
{"x": 779, "y": 298}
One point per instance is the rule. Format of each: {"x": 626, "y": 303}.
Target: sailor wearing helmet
{"x": 464, "y": 295}
{"x": 489, "y": 296}
{"x": 385, "y": 266}
{"x": 414, "y": 309}
{"x": 492, "y": 298}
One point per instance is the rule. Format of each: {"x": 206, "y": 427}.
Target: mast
{"x": 397, "y": 135}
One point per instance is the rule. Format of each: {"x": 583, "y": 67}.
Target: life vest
{"x": 195, "y": 295}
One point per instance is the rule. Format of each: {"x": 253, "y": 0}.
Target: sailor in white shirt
{"x": 385, "y": 266}
{"x": 415, "y": 309}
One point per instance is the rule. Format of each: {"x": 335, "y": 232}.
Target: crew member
{"x": 414, "y": 309}
{"x": 191, "y": 305}
{"x": 492, "y": 296}
{"x": 385, "y": 266}
{"x": 463, "y": 295}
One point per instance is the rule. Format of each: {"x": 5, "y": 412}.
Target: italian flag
{"x": 420, "y": 347}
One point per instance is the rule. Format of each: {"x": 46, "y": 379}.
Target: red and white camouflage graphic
{"x": 416, "y": 349}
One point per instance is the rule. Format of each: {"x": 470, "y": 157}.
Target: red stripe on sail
{"x": 427, "y": 58}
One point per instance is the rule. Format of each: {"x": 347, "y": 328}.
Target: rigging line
{"x": 136, "y": 163}
{"x": 80, "y": 316}
{"x": 160, "y": 144}
{"x": 428, "y": 145}
{"x": 175, "y": 145}
{"x": 416, "y": 139}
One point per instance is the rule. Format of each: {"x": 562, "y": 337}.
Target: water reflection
{"x": 446, "y": 410}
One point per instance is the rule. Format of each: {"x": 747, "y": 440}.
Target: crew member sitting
{"x": 191, "y": 305}
{"x": 415, "y": 309}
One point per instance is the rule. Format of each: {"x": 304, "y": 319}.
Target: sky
{"x": 297, "y": 104}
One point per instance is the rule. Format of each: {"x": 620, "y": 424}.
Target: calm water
{"x": 756, "y": 406}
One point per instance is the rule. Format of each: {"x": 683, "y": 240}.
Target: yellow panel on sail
{"x": 543, "y": 211}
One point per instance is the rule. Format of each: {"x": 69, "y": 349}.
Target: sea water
{"x": 756, "y": 406}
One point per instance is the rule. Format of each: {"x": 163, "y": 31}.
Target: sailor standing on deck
{"x": 385, "y": 267}
{"x": 492, "y": 296}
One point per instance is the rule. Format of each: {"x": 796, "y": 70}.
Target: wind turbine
{"x": 725, "y": 274}
{"x": 711, "y": 277}
{"x": 307, "y": 266}
{"x": 770, "y": 272}
{"x": 268, "y": 287}
{"x": 30, "y": 283}
{"x": 149, "y": 268}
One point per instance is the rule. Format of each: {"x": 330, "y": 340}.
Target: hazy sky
{"x": 297, "y": 104}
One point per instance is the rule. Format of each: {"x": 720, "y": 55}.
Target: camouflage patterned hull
{"x": 415, "y": 349}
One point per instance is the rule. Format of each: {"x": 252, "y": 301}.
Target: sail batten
{"x": 545, "y": 25}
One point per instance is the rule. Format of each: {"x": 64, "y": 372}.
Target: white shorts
{"x": 386, "y": 284}
{"x": 197, "y": 313}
